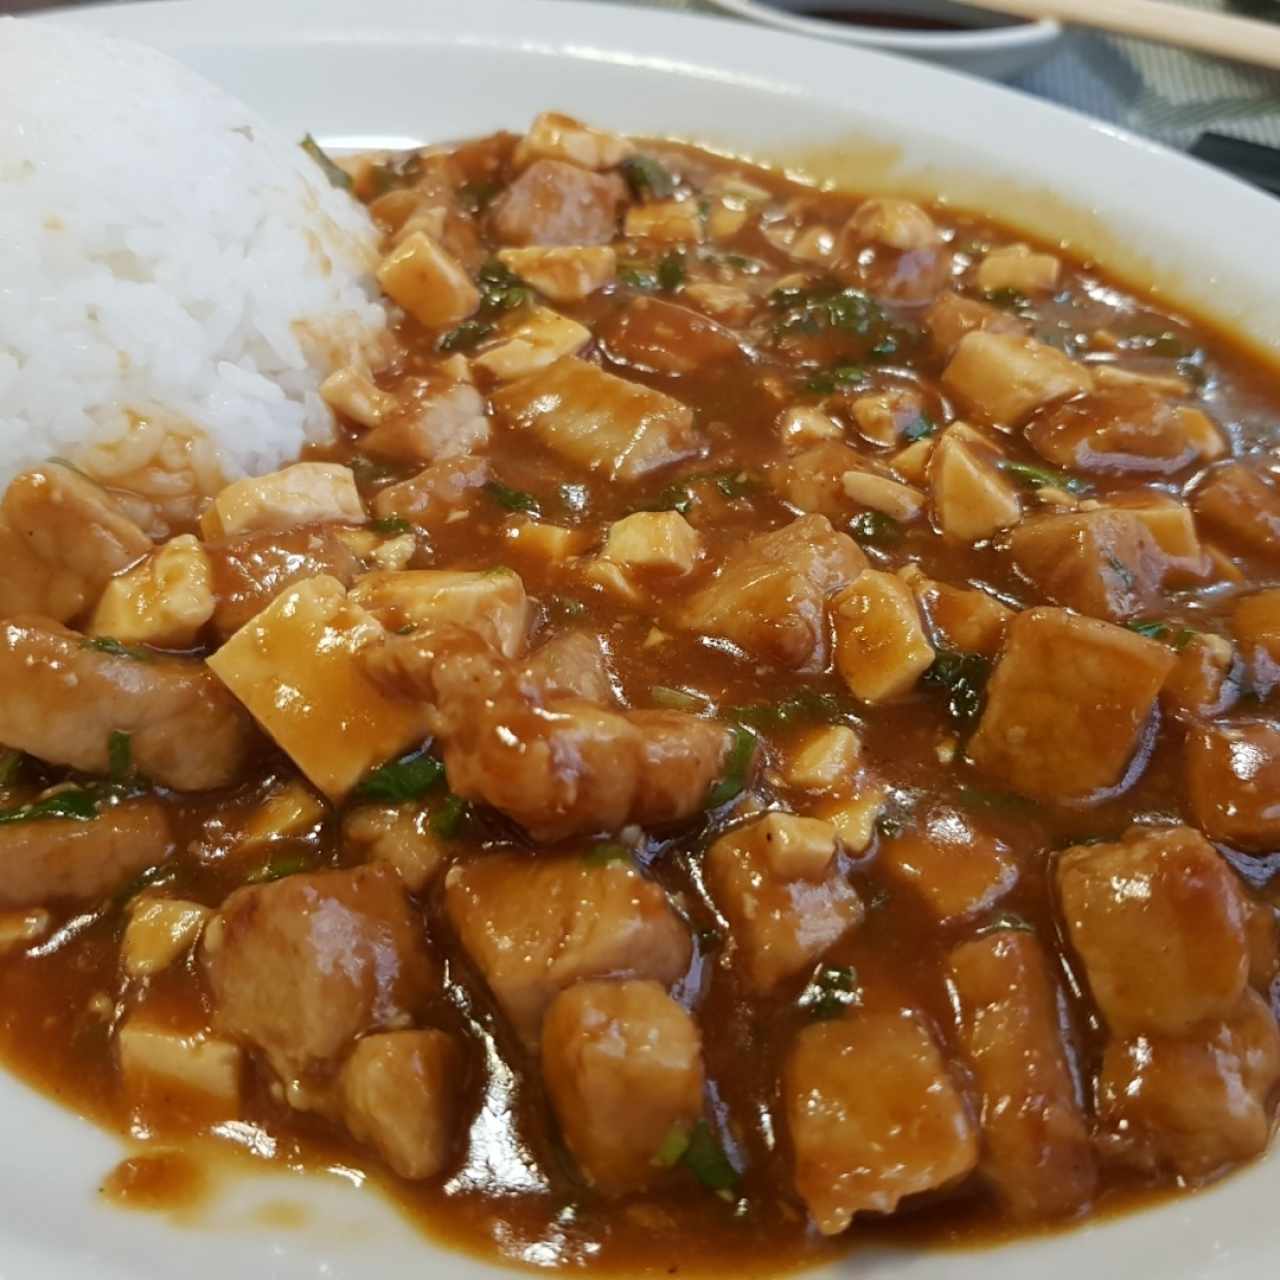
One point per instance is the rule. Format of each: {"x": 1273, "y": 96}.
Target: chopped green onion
{"x": 1000, "y": 801}
{"x": 1044, "y": 477}
{"x": 876, "y": 528}
{"x": 1177, "y": 637}
{"x": 399, "y": 781}
{"x": 705, "y": 1158}
{"x": 78, "y": 803}
{"x": 673, "y": 1147}
{"x": 739, "y": 484}
{"x": 964, "y": 677}
{"x": 638, "y": 278}
{"x": 833, "y": 990}
{"x": 501, "y": 289}
{"x": 806, "y": 707}
{"x": 284, "y": 864}
{"x": 601, "y": 855}
{"x": 663, "y": 695}
{"x": 390, "y": 526}
{"x": 338, "y": 176}
{"x": 671, "y": 271}
{"x": 841, "y": 378}
{"x": 10, "y": 765}
{"x": 120, "y": 756}
{"x": 513, "y": 499}
{"x": 467, "y": 335}
{"x": 1008, "y": 299}
{"x": 449, "y": 818}
{"x": 919, "y": 428}
{"x": 675, "y": 497}
{"x": 737, "y": 768}
{"x": 648, "y": 178}
{"x": 108, "y": 644}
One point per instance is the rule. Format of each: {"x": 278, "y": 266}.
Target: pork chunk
{"x": 1233, "y": 781}
{"x": 1036, "y": 1149}
{"x": 1192, "y": 1105}
{"x": 55, "y": 859}
{"x": 434, "y": 494}
{"x": 62, "y": 538}
{"x": 1067, "y": 704}
{"x": 435, "y": 419}
{"x": 953, "y": 316}
{"x": 571, "y": 665}
{"x": 62, "y": 697}
{"x": 1255, "y": 622}
{"x": 1240, "y": 505}
{"x": 655, "y": 336}
{"x": 1159, "y": 921}
{"x": 622, "y": 1062}
{"x": 591, "y": 921}
{"x": 769, "y": 597}
{"x": 554, "y": 203}
{"x": 598, "y": 421}
{"x": 874, "y": 1116}
{"x": 301, "y": 967}
{"x": 1103, "y": 563}
{"x": 778, "y": 882}
{"x": 399, "y": 1092}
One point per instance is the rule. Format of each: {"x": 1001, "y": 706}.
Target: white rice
{"x": 176, "y": 278}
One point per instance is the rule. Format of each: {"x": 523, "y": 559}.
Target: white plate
{"x": 404, "y": 71}
{"x": 1000, "y": 49}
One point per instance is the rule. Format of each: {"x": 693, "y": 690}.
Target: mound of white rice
{"x": 176, "y": 278}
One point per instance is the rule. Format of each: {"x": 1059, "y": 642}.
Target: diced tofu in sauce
{"x": 563, "y": 273}
{"x": 1240, "y": 505}
{"x": 553, "y": 136}
{"x": 428, "y": 282}
{"x": 654, "y": 336}
{"x": 158, "y": 932}
{"x": 1018, "y": 267}
{"x": 1233, "y": 783}
{"x": 305, "y": 493}
{"x": 162, "y": 1067}
{"x": 972, "y": 501}
{"x": 1004, "y": 378}
{"x": 535, "y": 338}
{"x": 163, "y": 601}
{"x": 881, "y": 647}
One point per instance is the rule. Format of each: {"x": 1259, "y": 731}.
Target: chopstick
{"x": 1245, "y": 39}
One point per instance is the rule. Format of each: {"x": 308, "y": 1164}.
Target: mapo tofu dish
{"x": 760, "y": 734}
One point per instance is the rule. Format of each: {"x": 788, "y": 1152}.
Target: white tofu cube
{"x": 662, "y": 541}
{"x": 563, "y": 273}
{"x": 158, "y": 932}
{"x": 305, "y": 493}
{"x": 536, "y": 338}
{"x": 1015, "y": 266}
{"x": 428, "y": 282}
{"x": 1005, "y": 377}
{"x": 824, "y": 760}
{"x": 163, "y": 601}
{"x": 881, "y": 647}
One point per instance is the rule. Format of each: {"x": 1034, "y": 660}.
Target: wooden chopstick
{"x": 1245, "y": 39}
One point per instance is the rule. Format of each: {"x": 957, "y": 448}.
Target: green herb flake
{"x": 673, "y": 1147}
{"x": 338, "y": 176}
{"x": 809, "y": 309}
{"x": 972, "y": 797}
{"x": 10, "y": 767}
{"x": 806, "y": 707}
{"x": 919, "y": 429}
{"x": 672, "y": 699}
{"x": 284, "y": 864}
{"x": 399, "y": 781}
{"x": 120, "y": 756}
{"x": 468, "y": 334}
{"x": 1175, "y": 635}
{"x": 566, "y": 607}
{"x": 513, "y": 499}
{"x": 737, "y": 768}
{"x": 1007, "y": 299}
{"x": 736, "y": 484}
{"x": 77, "y": 803}
{"x": 671, "y": 272}
{"x": 876, "y": 529}
{"x": 675, "y": 497}
{"x": 843, "y": 377}
{"x": 833, "y": 990}
{"x": 449, "y": 817}
{"x": 964, "y": 678}
{"x": 500, "y": 288}
{"x": 475, "y": 197}
{"x": 705, "y": 1158}
{"x": 638, "y": 278}
{"x": 648, "y": 178}
{"x": 602, "y": 855}
{"x": 1044, "y": 477}
{"x": 108, "y": 644}
{"x": 390, "y": 526}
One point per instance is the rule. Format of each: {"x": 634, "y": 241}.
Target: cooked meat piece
{"x": 655, "y": 336}
{"x": 554, "y": 203}
{"x": 433, "y": 494}
{"x": 64, "y": 696}
{"x": 1255, "y": 622}
{"x": 1233, "y": 783}
{"x": 593, "y": 920}
{"x": 305, "y": 493}
{"x": 1192, "y": 1105}
{"x": 1159, "y": 921}
{"x": 1240, "y": 505}
{"x": 956, "y": 867}
{"x": 434, "y": 420}
{"x": 493, "y": 604}
{"x": 571, "y": 665}
{"x": 622, "y": 1063}
{"x": 874, "y": 1116}
{"x": 1130, "y": 429}
{"x": 1103, "y": 563}
{"x": 1262, "y": 929}
{"x": 298, "y": 667}
{"x": 301, "y": 967}
{"x": 399, "y": 1093}
{"x": 1206, "y": 679}
{"x": 769, "y": 597}
{"x": 881, "y": 647}
{"x": 778, "y": 882}
{"x": 598, "y": 421}
{"x": 51, "y": 859}
{"x": 1004, "y": 378}
{"x": 681, "y": 756}
{"x": 563, "y": 274}
{"x": 1067, "y": 704}
{"x": 1036, "y": 1149}
{"x": 62, "y": 538}
{"x": 963, "y": 619}
{"x": 399, "y": 835}
{"x": 972, "y": 501}
{"x": 951, "y": 317}
{"x": 813, "y": 479}
{"x": 250, "y": 572}
{"x": 893, "y": 249}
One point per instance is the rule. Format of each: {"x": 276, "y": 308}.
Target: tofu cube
{"x": 667, "y": 221}
{"x": 894, "y": 223}
{"x": 1240, "y": 505}
{"x": 961, "y": 618}
{"x": 1255, "y": 621}
{"x": 298, "y": 668}
{"x": 493, "y": 603}
{"x": 1233, "y": 783}
{"x": 659, "y": 541}
{"x": 972, "y": 501}
{"x": 801, "y": 425}
{"x": 289, "y": 811}
{"x": 534, "y": 339}
{"x": 161, "y": 1067}
{"x": 1067, "y": 704}
{"x": 356, "y": 396}
{"x": 305, "y": 493}
{"x": 855, "y": 818}
{"x": 549, "y": 544}
{"x": 1017, "y": 267}
{"x": 428, "y": 282}
{"x": 824, "y": 760}
{"x": 553, "y": 136}
{"x": 158, "y": 932}
{"x": 881, "y": 647}
{"x": 563, "y": 273}
{"x": 1004, "y": 377}
{"x": 1172, "y": 526}
{"x": 163, "y": 601}
{"x": 879, "y": 493}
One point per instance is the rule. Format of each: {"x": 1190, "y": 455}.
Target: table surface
{"x": 1148, "y": 88}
